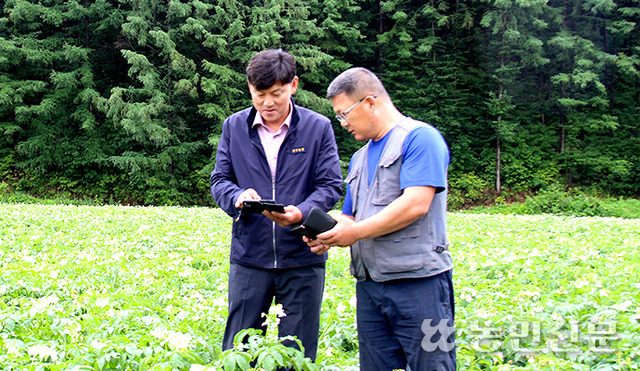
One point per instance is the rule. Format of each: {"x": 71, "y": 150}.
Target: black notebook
{"x": 315, "y": 223}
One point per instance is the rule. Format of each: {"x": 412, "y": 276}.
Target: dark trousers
{"x": 299, "y": 290}
{"x": 392, "y": 331}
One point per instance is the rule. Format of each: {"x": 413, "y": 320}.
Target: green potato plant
{"x": 144, "y": 288}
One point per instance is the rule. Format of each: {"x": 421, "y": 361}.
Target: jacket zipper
{"x": 273, "y": 225}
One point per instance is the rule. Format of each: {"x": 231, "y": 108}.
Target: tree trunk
{"x": 498, "y": 164}
{"x": 380, "y": 32}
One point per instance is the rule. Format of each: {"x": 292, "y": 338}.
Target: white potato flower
{"x": 98, "y": 345}
{"x": 581, "y": 283}
{"x": 158, "y": 333}
{"x": 102, "y": 302}
{"x": 43, "y": 352}
{"x": 42, "y": 303}
{"x": 353, "y": 301}
{"x": 178, "y": 340}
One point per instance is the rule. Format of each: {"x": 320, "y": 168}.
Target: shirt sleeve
{"x": 425, "y": 159}
{"x": 347, "y": 206}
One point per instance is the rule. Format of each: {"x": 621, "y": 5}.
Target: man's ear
{"x": 294, "y": 85}
{"x": 370, "y": 102}
{"x": 251, "y": 87}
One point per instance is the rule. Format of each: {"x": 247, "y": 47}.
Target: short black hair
{"x": 357, "y": 82}
{"x": 270, "y": 67}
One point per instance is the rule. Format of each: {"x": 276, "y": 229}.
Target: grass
{"x": 144, "y": 288}
{"x": 560, "y": 202}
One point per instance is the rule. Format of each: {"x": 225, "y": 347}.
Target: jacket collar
{"x": 295, "y": 117}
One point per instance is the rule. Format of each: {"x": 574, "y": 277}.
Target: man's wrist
{"x": 359, "y": 230}
{"x": 298, "y": 215}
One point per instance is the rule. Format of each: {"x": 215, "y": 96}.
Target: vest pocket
{"x": 399, "y": 251}
{"x": 397, "y": 257}
{"x": 387, "y": 181}
{"x": 351, "y": 176}
{"x": 356, "y": 268}
{"x": 410, "y": 231}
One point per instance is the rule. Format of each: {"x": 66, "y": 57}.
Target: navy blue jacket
{"x": 308, "y": 174}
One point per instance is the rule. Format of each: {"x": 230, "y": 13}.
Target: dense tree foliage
{"x": 122, "y": 100}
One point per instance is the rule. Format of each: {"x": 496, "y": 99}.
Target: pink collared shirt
{"x": 272, "y": 140}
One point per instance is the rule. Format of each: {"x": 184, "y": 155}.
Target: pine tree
{"x": 581, "y": 95}
{"x": 48, "y": 94}
{"x": 158, "y": 107}
{"x": 513, "y": 45}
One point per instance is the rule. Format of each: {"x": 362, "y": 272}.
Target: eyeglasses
{"x": 343, "y": 116}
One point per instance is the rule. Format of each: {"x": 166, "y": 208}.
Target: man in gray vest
{"x": 394, "y": 219}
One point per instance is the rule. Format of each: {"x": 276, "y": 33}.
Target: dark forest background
{"x": 122, "y": 101}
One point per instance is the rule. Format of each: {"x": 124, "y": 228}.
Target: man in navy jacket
{"x": 281, "y": 151}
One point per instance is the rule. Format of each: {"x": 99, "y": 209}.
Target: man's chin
{"x": 271, "y": 116}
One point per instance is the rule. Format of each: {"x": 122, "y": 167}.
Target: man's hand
{"x": 342, "y": 234}
{"x": 291, "y": 215}
{"x": 248, "y": 194}
{"x": 315, "y": 246}
{"x": 345, "y": 233}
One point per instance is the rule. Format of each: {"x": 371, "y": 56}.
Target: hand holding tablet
{"x": 258, "y": 206}
{"x": 315, "y": 223}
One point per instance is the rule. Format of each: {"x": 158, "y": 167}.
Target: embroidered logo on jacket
{"x": 298, "y": 150}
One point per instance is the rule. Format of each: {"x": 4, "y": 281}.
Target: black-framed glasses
{"x": 343, "y": 116}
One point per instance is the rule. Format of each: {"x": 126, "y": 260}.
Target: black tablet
{"x": 258, "y": 206}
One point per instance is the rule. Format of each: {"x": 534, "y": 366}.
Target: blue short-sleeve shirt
{"x": 425, "y": 158}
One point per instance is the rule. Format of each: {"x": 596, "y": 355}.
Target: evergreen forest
{"x": 122, "y": 101}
